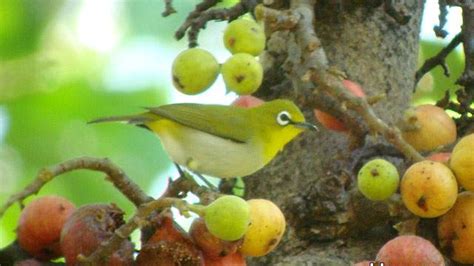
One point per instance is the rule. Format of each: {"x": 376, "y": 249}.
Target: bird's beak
{"x": 306, "y": 125}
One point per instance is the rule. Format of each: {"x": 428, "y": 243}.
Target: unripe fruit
{"x": 410, "y": 250}
{"x": 88, "y": 227}
{"x": 39, "y": 228}
{"x": 235, "y": 259}
{"x": 429, "y": 127}
{"x": 209, "y": 244}
{"x": 462, "y": 162}
{"x": 227, "y": 217}
{"x": 242, "y": 74}
{"x": 456, "y": 229}
{"x": 378, "y": 179}
{"x": 429, "y": 189}
{"x": 194, "y": 70}
{"x": 244, "y": 36}
{"x": 267, "y": 225}
{"x": 247, "y": 101}
{"x": 331, "y": 122}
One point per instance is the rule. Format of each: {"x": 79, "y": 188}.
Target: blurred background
{"x": 66, "y": 62}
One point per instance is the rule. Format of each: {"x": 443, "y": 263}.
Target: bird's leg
{"x": 209, "y": 184}
{"x": 203, "y": 179}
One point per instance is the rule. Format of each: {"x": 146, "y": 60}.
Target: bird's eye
{"x": 283, "y": 118}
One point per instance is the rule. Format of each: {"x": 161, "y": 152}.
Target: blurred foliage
{"x": 21, "y": 24}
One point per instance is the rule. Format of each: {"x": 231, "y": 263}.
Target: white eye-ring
{"x": 283, "y": 118}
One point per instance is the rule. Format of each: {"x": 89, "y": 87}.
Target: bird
{"x": 222, "y": 141}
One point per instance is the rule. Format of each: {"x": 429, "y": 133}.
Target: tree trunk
{"x": 329, "y": 223}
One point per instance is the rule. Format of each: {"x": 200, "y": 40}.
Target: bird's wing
{"x": 223, "y": 121}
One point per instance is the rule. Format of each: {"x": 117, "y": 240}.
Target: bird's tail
{"x": 139, "y": 119}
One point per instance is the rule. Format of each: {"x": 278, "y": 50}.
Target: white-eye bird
{"x": 220, "y": 140}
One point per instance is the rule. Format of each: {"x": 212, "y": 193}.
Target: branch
{"x": 443, "y": 12}
{"x": 114, "y": 174}
{"x": 140, "y": 219}
{"x": 202, "y": 14}
{"x": 467, "y": 78}
{"x": 438, "y": 59}
{"x": 169, "y": 9}
{"x": 333, "y": 85}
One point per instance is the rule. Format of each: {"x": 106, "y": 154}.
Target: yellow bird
{"x": 219, "y": 140}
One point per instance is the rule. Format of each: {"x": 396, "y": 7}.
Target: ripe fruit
{"x": 410, "y": 250}
{"x": 456, "y": 229}
{"x": 169, "y": 246}
{"x": 209, "y": 244}
{"x": 235, "y": 259}
{"x": 89, "y": 226}
{"x": 40, "y": 226}
{"x": 329, "y": 121}
{"x": 462, "y": 162}
{"x": 194, "y": 70}
{"x": 378, "y": 179}
{"x": 267, "y": 225}
{"x": 227, "y": 217}
{"x": 442, "y": 157}
{"x": 428, "y": 127}
{"x": 242, "y": 74}
{"x": 247, "y": 101}
{"x": 429, "y": 189}
{"x": 244, "y": 36}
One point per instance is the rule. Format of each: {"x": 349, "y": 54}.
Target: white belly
{"x": 207, "y": 154}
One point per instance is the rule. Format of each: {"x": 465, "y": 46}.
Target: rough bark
{"x": 329, "y": 223}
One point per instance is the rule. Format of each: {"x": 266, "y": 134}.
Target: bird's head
{"x": 280, "y": 121}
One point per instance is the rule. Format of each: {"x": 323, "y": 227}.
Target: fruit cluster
{"x": 195, "y": 70}
{"x": 429, "y": 188}
{"x": 229, "y": 229}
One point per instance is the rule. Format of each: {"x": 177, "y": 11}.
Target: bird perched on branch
{"x": 219, "y": 140}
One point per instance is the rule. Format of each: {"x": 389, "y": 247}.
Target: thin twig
{"x": 220, "y": 14}
{"x": 439, "y": 59}
{"x": 169, "y": 9}
{"x": 201, "y": 7}
{"x": 114, "y": 174}
{"x": 333, "y": 85}
{"x": 443, "y": 12}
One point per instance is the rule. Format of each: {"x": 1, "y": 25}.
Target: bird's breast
{"x": 206, "y": 153}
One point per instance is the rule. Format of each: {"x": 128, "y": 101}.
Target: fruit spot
{"x": 231, "y": 42}
{"x": 422, "y": 203}
{"x": 374, "y": 172}
{"x": 239, "y": 78}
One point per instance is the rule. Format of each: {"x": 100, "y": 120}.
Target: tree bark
{"x": 329, "y": 223}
